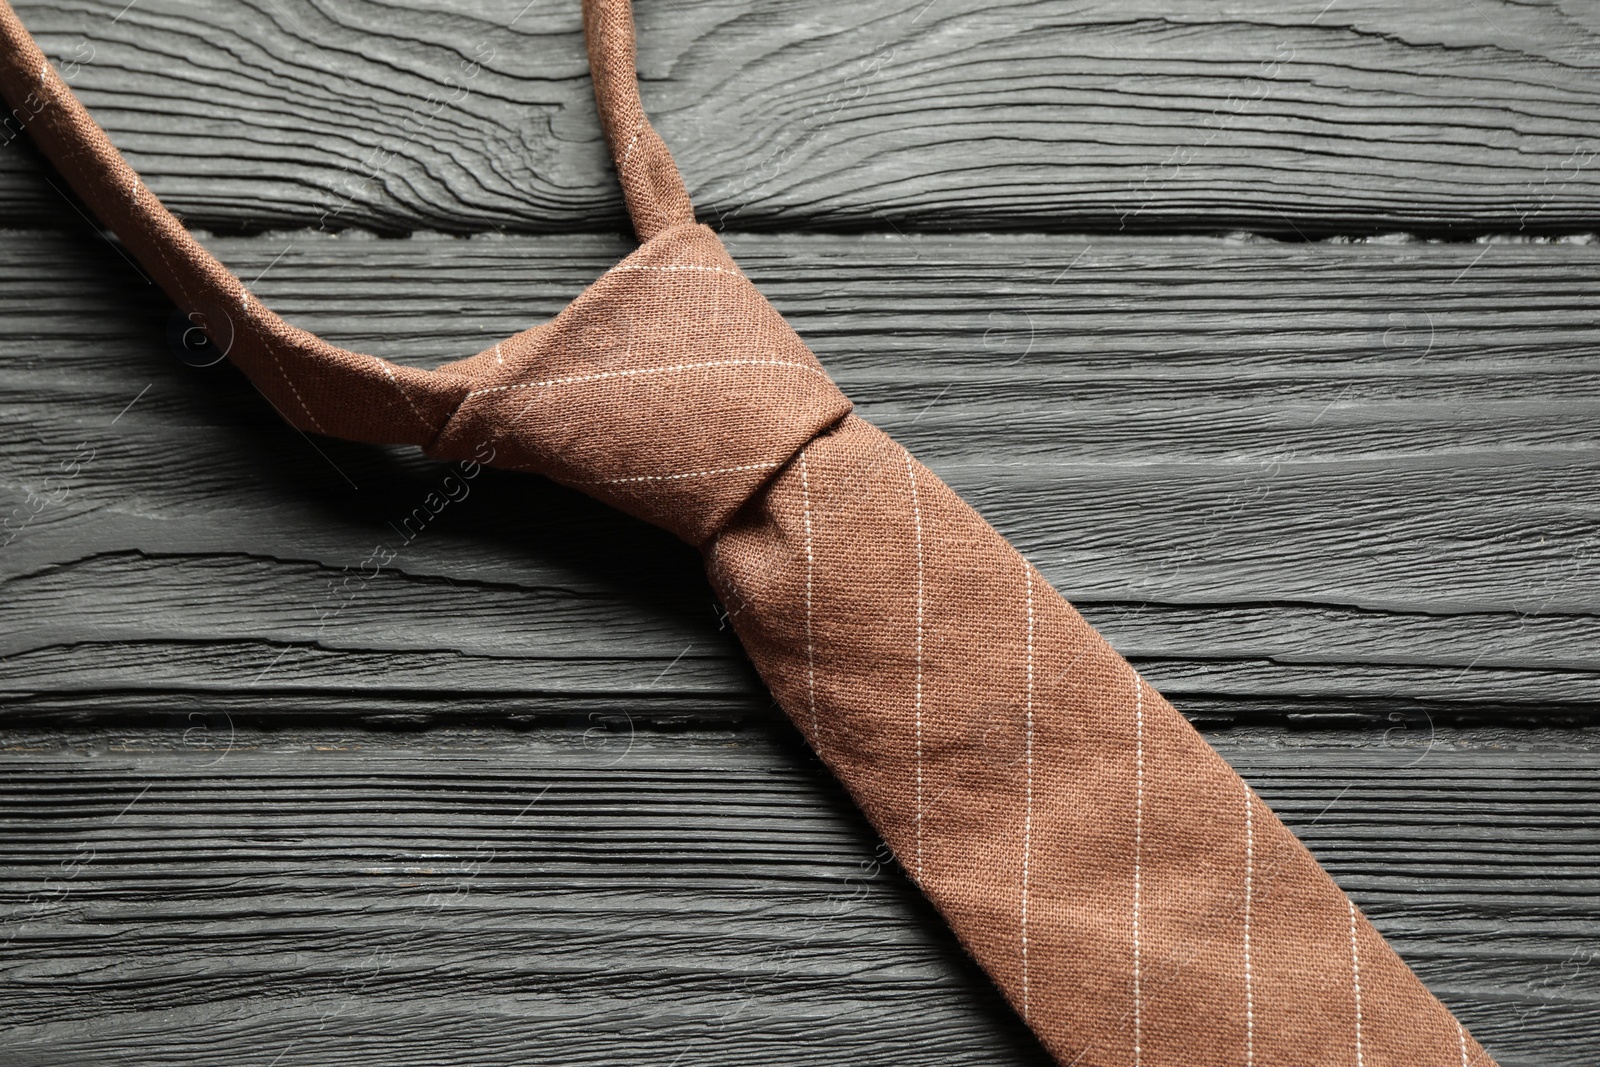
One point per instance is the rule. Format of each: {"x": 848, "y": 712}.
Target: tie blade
{"x": 1133, "y": 898}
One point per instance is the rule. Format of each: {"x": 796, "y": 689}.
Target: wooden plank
{"x": 1300, "y": 119}
{"x": 196, "y": 893}
{"x": 1354, "y": 482}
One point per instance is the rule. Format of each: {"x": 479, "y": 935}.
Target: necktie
{"x": 1132, "y": 897}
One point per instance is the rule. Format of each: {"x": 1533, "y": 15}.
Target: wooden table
{"x": 1267, "y": 331}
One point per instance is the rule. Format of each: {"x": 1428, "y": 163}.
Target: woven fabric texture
{"x": 1133, "y": 898}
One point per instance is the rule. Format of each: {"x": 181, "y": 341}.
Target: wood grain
{"x": 201, "y": 893}
{"x": 1298, "y": 120}
{"x": 518, "y": 797}
{"x": 1353, "y": 483}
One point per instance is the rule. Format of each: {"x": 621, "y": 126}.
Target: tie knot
{"x": 670, "y": 389}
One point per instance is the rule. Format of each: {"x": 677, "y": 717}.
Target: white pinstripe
{"x": 689, "y": 474}
{"x": 811, "y": 657}
{"x": 916, "y": 515}
{"x": 628, "y": 151}
{"x": 1138, "y": 872}
{"x": 1249, "y": 878}
{"x": 1027, "y": 818}
{"x": 635, "y": 372}
{"x": 290, "y": 383}
{"x": 624, "y": 268}
{"x": 402, "y": 389}
{"x": 1355, "y": 976}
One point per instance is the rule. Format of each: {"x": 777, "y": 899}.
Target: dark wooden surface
{"x": 518, "y": 797}
{"x": 1301, "y": 117}
{"x": 479, "y": 897}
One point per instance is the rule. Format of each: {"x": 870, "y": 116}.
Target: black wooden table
{"x": 1268, "y": 332}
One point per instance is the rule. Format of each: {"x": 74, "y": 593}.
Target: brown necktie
{"x": 1136, "y": 902}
